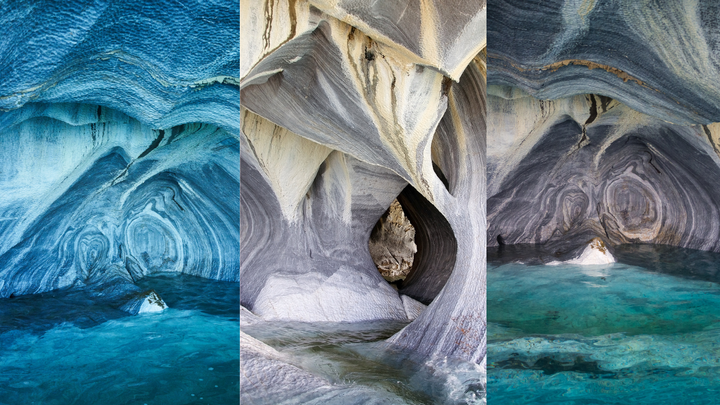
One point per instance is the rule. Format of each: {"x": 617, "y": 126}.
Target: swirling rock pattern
{"x": 374, "y": 108}
{"x": 119, "y": 144}
{"x": 106, "y": 213}
{"x": 611, "y": 172}
{"x": 659, "y": 58}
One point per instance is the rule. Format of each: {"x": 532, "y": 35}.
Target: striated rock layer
{"x": 119, "y": 145}
{"x": 572, "y": 169}
{"x": 659, "y": 58}
{"x": 601, "y": 123}
{"x": 346, "y": 107}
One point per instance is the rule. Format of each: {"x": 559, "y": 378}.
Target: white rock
{"x": 413, "y": 308}
{"x": 346, "y": 296}
{"x": 595, "y": 253}
{"x": 152, "y": 303}
{"x": 145, "y": 302}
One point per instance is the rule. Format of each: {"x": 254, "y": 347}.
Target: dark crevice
{"x": 605, "y": 102}
{"x": 651, "y": 162}
{"x": 593, "y": 110}
{"x": 154, "y": 144}
{"x": 176, "y": 203}
{"x": 436, "y": 247}
{"x": 441, "y": 176}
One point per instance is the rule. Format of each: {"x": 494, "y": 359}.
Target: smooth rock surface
{"x": 659, "y": 58}
{"x": 118, "y": 144}
{"x": 413, "y": 308}
{"x": 352, "y": 78}
{"x": 561, "y": 172}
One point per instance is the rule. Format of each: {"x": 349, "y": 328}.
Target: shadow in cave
{"x": 436, "y": 248}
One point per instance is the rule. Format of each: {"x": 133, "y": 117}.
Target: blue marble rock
{"x": 118, "y": 144}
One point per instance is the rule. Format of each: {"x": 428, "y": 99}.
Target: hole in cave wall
{"x": 423, "y": 276}
{"x": 392, "y": 244}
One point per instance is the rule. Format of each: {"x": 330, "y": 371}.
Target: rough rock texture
{"x": 118, "y": 143}
{"x": 362, "y": 109}
{"x": 392, "y": 245}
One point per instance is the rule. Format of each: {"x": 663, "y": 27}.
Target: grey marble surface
{"x": 659, "y": 58}
{"x": 560, "y": 174}
{"x": 361, "y": 109}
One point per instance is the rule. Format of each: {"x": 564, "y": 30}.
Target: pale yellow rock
{"x": 289, "y": 161}
{"x": 392, "y": 244}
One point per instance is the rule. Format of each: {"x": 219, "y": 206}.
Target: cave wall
{"x": 359, "y": 105}
{"x": 590, "y": 166}
{"x": 119, "y": 143}
{"x": 658, "y": 58}
{"x": 601, "y": 117}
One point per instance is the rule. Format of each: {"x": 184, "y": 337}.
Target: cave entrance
{"x": 414, "y": 246}
{"x": 392, "y": 244}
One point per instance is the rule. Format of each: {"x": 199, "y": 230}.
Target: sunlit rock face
{"x": 590, "y": 139}
{"x": 392, "y": 244}
{"x": 346, "y": 107}
{"x": 118, "y": 144}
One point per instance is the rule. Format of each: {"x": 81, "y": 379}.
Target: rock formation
{"x": 392, "y": 244}
{"x": 601, "y": 123}
{"x": 346, "y": 106}
{"x": 119, "y": 145}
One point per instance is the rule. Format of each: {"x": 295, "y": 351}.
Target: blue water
{"x": 645, "y": 330}
{"x": 65, "y": 348}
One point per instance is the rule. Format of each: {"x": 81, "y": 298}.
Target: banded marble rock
{"x": 119, "y": 145}
{"x": 661, "y": 58}
{"x": 346, "y": 107}
{"x": 602, "y": 123}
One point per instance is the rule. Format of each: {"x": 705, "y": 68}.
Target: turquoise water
{"x": 65, "y": 348}
{"x": 645, "y": 330}
{"x": 361, "y": 369}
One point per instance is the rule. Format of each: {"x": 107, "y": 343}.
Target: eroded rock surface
{"x": 118, "y": 145}
{"x": 362, "y": 109}
{"x": 602, "y": 123}
{"x": 392, "y": 244}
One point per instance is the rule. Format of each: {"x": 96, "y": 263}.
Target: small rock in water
{"x": 595, "y": 253}
{"x": 145, "y": 302}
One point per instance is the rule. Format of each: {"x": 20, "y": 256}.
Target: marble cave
{"x": 119, "y": 196}
{"x": 362, "y": 148}
{"x": 602, "y": 201}
{"x": 359, "y": 202}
